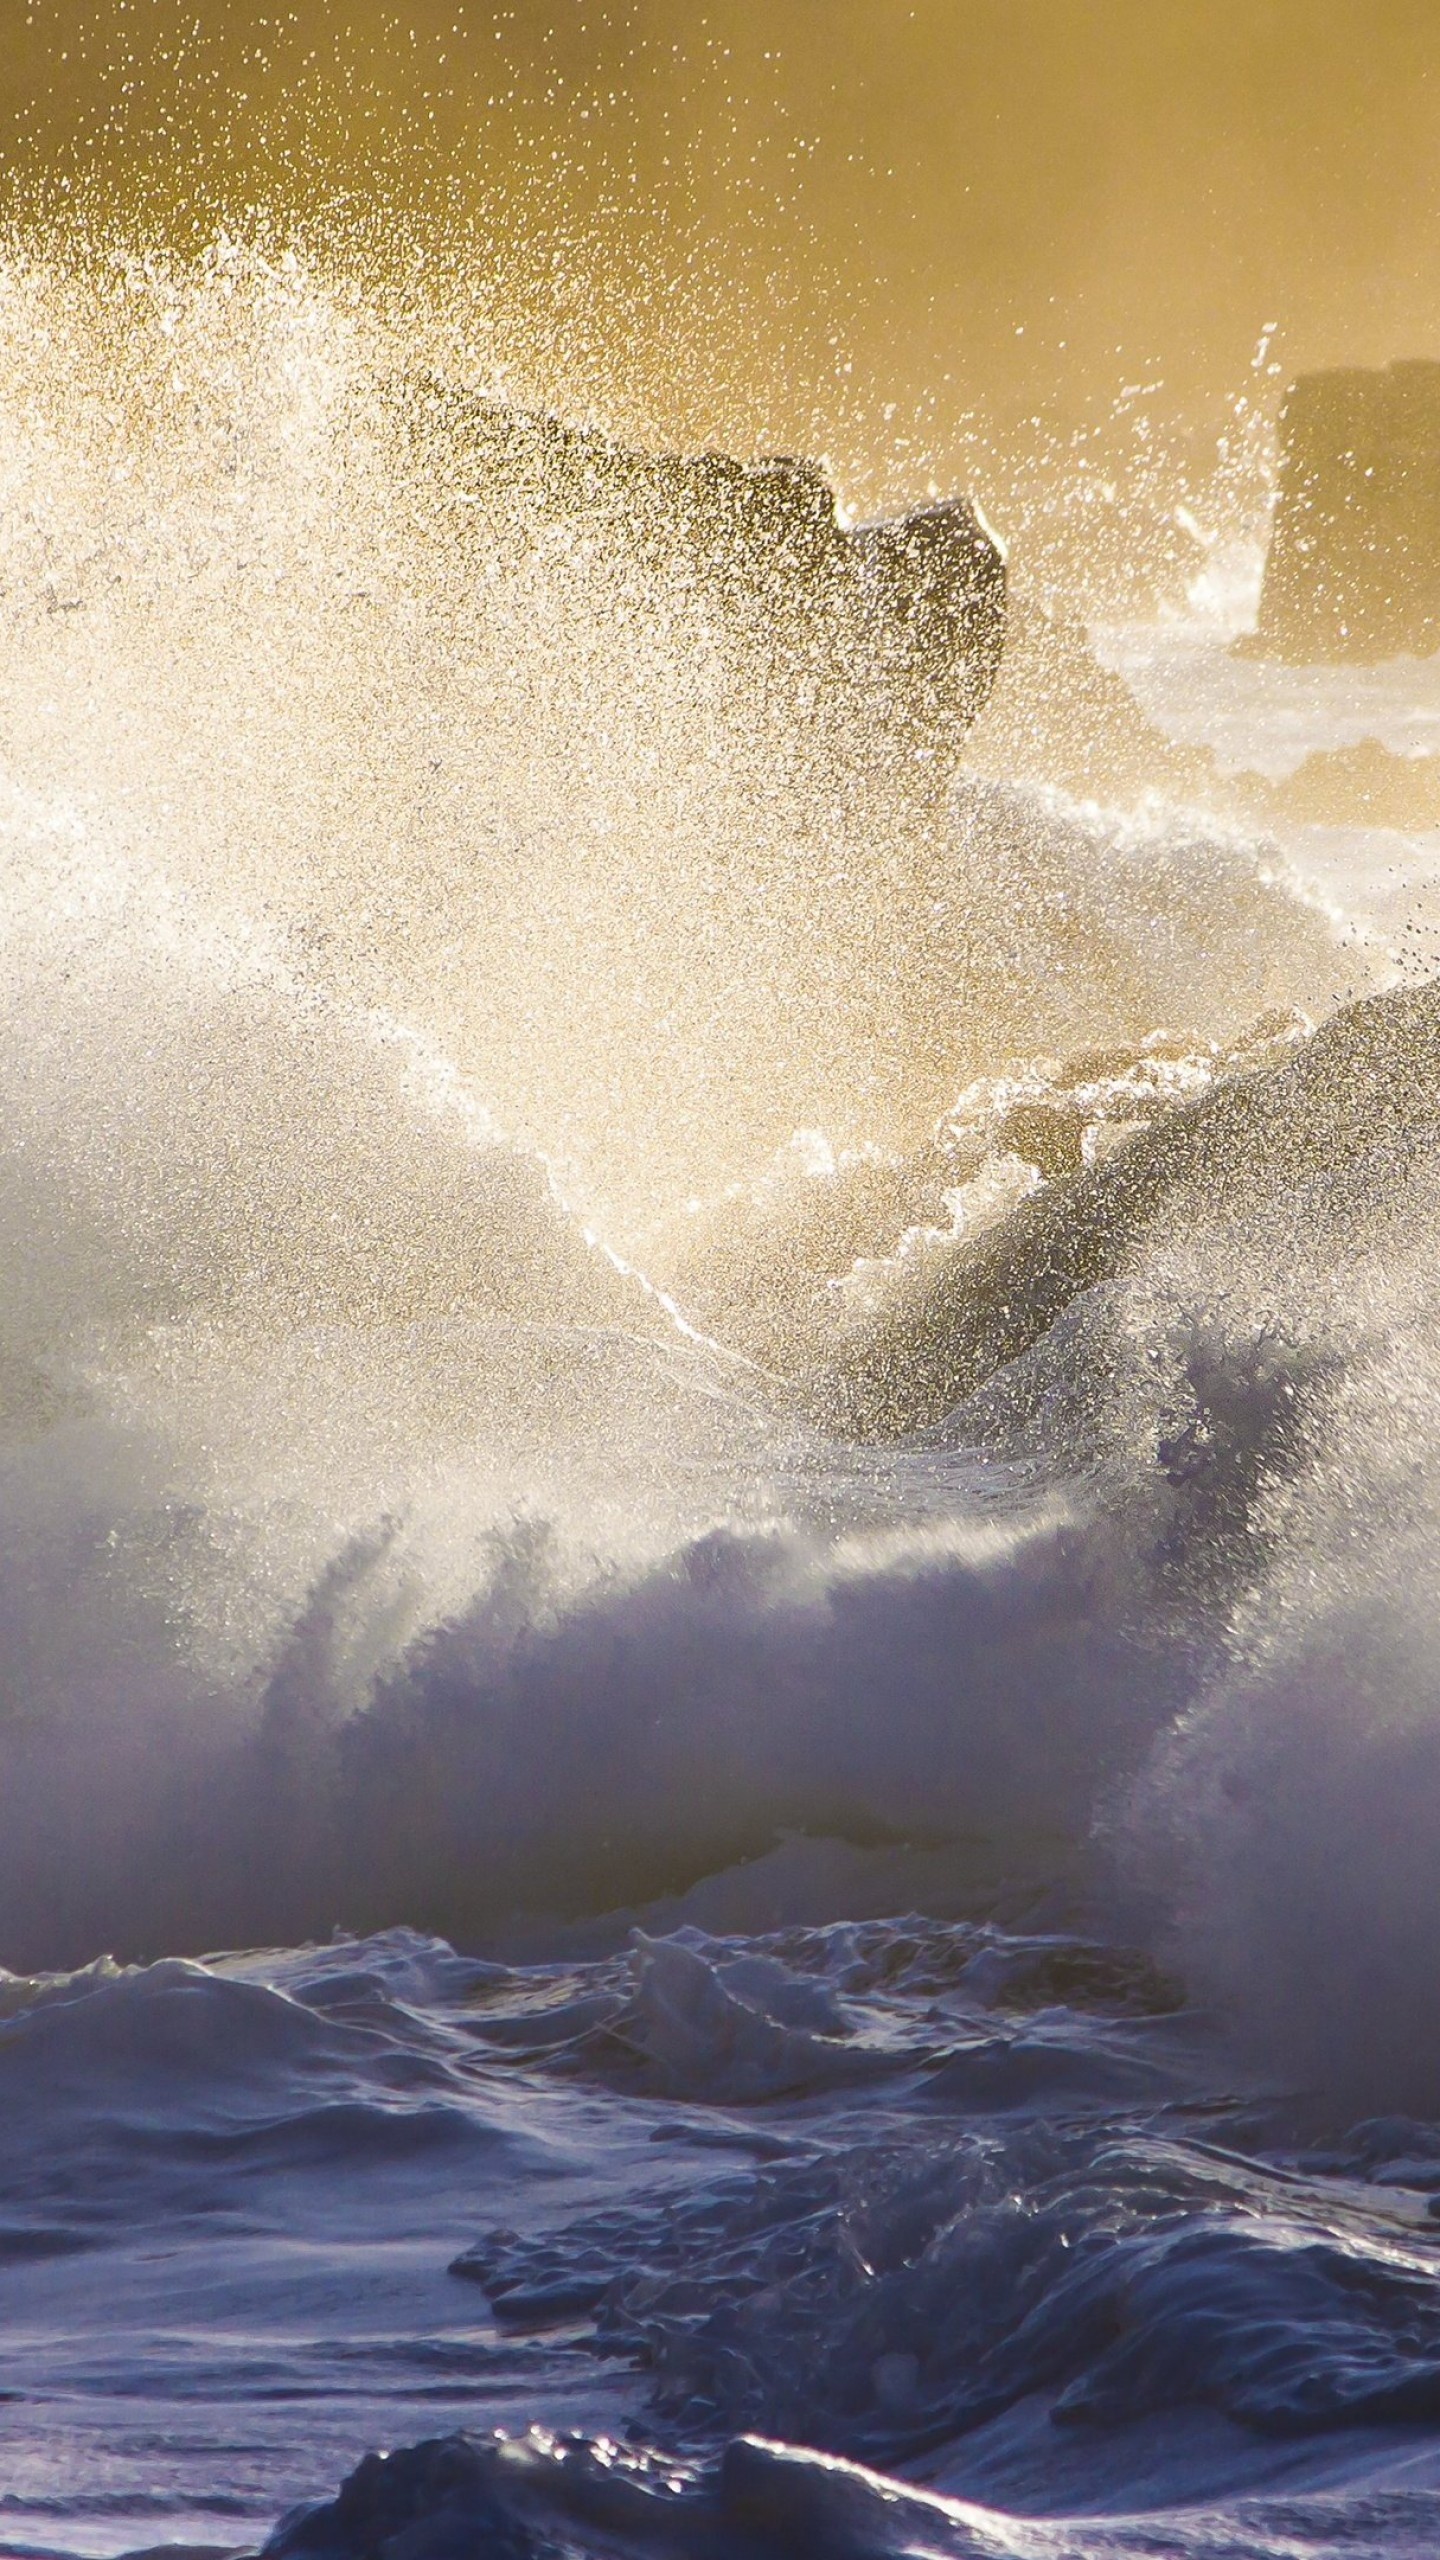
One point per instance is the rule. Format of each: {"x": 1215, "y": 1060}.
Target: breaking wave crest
{"x": 584, "y": 1298}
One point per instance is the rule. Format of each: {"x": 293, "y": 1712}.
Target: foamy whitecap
{"x": 635, "y": 1334}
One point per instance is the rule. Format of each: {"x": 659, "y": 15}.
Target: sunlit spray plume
{"x": 474, "y": 759}
{"x": 524, "y": 777}
{"x": 432, "y": 909}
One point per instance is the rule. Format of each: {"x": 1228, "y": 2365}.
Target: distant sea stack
{"x": 1354, "y": 564}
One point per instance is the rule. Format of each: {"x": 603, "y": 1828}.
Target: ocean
{"x": 721, "y": 1721}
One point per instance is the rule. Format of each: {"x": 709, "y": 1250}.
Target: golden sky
{"x": 830, "y": 222}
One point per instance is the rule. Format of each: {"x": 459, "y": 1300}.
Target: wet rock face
{"x": 905, "y": 616}
{"x": 1354, "y": 565}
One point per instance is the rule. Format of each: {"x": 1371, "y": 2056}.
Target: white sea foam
{"x": 475, "y": 1100}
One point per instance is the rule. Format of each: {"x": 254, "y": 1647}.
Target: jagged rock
{"x": 1354, "y": 564}
{"x": 905, "y": 615}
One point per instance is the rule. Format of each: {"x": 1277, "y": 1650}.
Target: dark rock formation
{"x": 905, "y": 616}
{"x": 1354, "y": 565}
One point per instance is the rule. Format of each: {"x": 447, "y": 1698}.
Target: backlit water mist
{"x": 773, "y": 1384}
